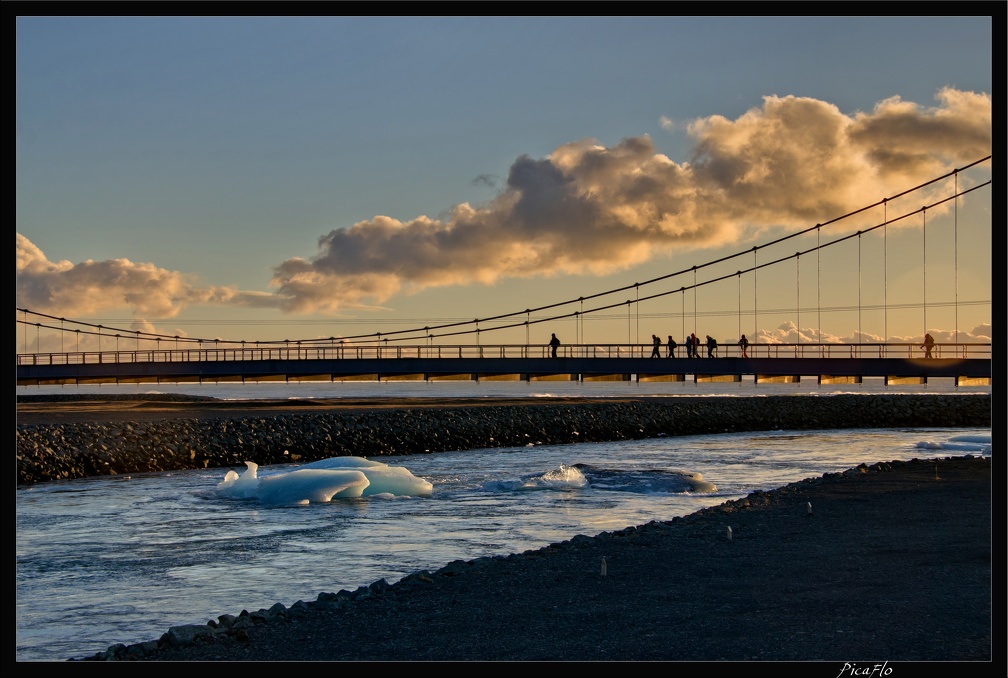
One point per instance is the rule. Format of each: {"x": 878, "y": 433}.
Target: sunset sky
{"x": 270, "y": 178}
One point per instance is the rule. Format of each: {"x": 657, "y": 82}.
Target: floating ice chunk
{"x": 395, "y": 480}
{"x": 698, "y": 484}
{"x": 384, "y": 479}
{"x": 965, "y": 443}
{"x": 562, "y": 478}
{"x": 971, "y": 439}
{"x": 324, "y": 480}
{"x": 312, "y": 486}
{"x": 244, "y": 486}
{"x": 646, "y": 481}
{"x": 345, "y": 462}
{"x": 565, "y": 476}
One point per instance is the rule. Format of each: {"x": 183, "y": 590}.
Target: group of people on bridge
{"x": 692, "y": 346}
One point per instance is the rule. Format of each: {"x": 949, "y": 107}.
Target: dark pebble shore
{"x": 892, "y": 562}
{"x": 170, "y": 433}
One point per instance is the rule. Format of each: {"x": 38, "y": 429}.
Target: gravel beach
{"x": 887, "y": 562}
{"x": 67, "y": 438}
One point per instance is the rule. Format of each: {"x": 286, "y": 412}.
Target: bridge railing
{"x": 394, "y": 351}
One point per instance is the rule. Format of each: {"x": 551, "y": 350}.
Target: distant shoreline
{"x": 96, "y": 407}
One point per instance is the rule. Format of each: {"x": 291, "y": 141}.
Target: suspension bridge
{"x": 862, "y": 262}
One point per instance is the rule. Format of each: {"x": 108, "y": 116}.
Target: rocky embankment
{"x": 74, "y": 450}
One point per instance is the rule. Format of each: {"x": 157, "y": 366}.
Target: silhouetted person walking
{"x": 711, "y": 346}
{"x": 744, "y": 345}
{"x": 928, "y": 344}
{"x": 554, "y": 345}
{"x": 691, "y": 350}
{"x": 655, "y": 346}
{"x": 671, "y": 347}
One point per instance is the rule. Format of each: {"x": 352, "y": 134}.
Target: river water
{"x": 121, "y": 559}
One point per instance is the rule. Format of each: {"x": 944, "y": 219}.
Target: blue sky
{"x": 295, "y": 177}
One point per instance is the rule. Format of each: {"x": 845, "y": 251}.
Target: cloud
{"x": 788, "y": 333}
{"x": 486, "y": 181}
{"x": 64, "y": 288}
{"x": 585, "y": 208}
{"x": 589, "y": 208}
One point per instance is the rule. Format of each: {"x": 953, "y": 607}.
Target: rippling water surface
{"x": 121, "y": 559}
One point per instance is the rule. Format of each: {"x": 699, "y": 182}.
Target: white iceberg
{"x": 980, "y": 444}
{"x": 384, "y": 479}
{"x": 322, "y": 481}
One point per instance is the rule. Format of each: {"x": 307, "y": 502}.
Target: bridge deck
{"x": 826, "y": 370}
